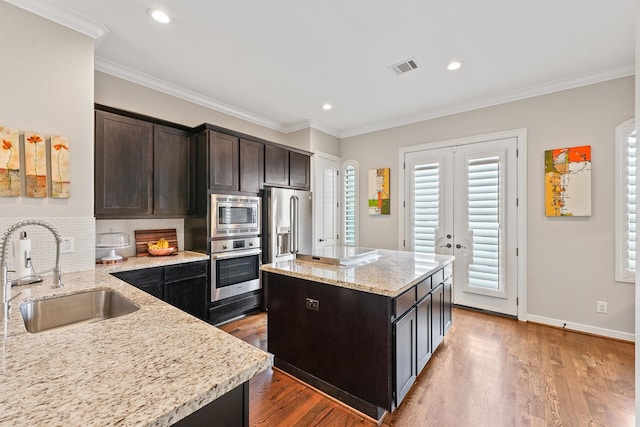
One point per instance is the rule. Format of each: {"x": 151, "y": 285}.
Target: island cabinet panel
{"x": 346, "y": 342}
{"x": 437, "y": 309}
{"x": 447, "y": 306}
{"x": 123, "y": 166}
{"x": 224, "y": 161}
{"x": 404, "y": 330}
{"x": 423, "y": 333}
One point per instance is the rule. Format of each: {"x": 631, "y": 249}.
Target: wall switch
{"x": 67, "y": 245}
{"x": 313, "y": 304}
{"x": 602, "y": 307}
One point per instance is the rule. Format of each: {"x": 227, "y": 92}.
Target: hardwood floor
{"x": 489, "y": 371}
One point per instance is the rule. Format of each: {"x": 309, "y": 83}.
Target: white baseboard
{"x": 609, "y": 333}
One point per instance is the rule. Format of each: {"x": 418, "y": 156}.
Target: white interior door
{"x": 462, "y": 201}
{"x": 325, "y": 200}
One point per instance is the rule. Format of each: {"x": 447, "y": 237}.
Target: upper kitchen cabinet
{"x": 285, "y": 168}
{"x": 223, "y": 161}
{"x": 142, "y": 168}
{"x": 235, "y": 164}
{"x": 173, "y": 167}
{"x": 123, "y": 166}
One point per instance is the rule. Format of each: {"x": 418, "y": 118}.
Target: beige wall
{"x": 570, "y": 260}
{"x": 118, "y": 93}
{"x": 46, "y": 85}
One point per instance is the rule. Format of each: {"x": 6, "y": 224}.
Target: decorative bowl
{"x": 161, "y": 252}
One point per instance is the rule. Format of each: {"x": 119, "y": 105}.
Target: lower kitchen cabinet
{"x": 239, "y": 305}
{"x": 437, "y": 307}
{"x": 423, "y": 332}
{"x": 405, "y": 333}
{"x": 182, "y": 285}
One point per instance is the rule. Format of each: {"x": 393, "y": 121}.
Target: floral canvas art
{"x": 9, "y": 162}
{"x": 35, "y": 165}
{"x": 60, "y": 171}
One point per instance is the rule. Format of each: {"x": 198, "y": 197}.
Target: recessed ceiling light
{"x": 327, "y": 106}
{"x": 159, "y": 16}
{"x": 454, "y": 65}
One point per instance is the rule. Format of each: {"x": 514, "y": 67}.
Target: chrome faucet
{"x": 5, "y": 283}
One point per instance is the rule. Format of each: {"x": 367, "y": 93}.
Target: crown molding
{"x": 503, "y": 98}
{"x": 65, "y": 17}
{"x": 306, "y": 124}
{"x": 117, "y": 70}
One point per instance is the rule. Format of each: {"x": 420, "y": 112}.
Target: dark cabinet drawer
{"x": 437, "y": 278}
{"x": 141, "y": 277}
{"x": 423, "y": 288}
{"x": 404, "y": 302}
{"x": 185, "y": 271}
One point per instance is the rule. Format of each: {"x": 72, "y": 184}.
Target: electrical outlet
{"x": 601, "y": 307}
{"x": 67, "y": 245}
{"x": 313, "y": 304}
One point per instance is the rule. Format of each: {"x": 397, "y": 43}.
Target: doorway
{"x": 462, "y": 198}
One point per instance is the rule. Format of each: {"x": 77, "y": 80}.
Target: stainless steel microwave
{"x": 233, "y": 215}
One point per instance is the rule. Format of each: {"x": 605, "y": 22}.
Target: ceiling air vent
{"x": 404, "y": 66}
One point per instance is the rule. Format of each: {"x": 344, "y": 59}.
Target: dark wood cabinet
{"x": 173, "y": 172}
{"x": 251, "y": 166}
{"x": 276, "y": 166}
{"x": 182, "y": 285}
{"x": 142, "y": 168}
{"x": 404, "y": 331}
{"x": 224, "y": 161}
{"x": 123, "y": 166}
{"x": 299, "y": 169}
{"x": 284, "y": 168}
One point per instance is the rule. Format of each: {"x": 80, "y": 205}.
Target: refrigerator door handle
{"x": 293, "y": 207}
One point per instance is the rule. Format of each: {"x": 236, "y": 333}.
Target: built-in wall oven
{"x": 235, "y": 245}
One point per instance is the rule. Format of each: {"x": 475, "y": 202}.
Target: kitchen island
{"x": 157, "y": 366}
{"x": 360, "y": 332}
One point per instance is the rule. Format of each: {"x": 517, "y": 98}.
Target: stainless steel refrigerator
{"x": 287, "y": 224}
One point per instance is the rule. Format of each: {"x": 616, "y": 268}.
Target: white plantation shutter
{"x": 426, "y": 205}
{"x": 625, "y": 206}
{"x": 349, "y": 202}
{"x": 631, "y": 203}
{"x": 484, "y": 222}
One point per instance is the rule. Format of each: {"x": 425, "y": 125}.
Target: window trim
{"x": 622, "y": 273}
{"x": 356, "y": 165}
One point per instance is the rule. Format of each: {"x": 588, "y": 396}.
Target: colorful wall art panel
{"x": 568, "y": 181}
{"x": 9, "y": 162}
{"x": 35, "y": 155}
{"x": 379, "y": 191}
{"x": 60, "y": 168}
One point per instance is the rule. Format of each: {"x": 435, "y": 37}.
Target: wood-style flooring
{"x": 489, "y": 371}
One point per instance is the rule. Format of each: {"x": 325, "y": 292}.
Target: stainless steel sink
{"x": 74, "y": 309}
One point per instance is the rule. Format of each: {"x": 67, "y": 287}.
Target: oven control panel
{"x": 235, "y": 244}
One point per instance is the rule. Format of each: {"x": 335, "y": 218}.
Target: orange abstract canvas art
{"x": 568, "y": 181}
{"x": 9, "y": 162}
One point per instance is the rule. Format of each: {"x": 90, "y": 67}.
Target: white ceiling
{"x": 276, "y": 62}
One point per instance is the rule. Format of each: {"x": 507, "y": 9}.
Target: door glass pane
{"x": 349, "y": 206}
{"x": 631, "y": 202}
{"x": 426, "y": 205}
{"x": 484, "y": 222}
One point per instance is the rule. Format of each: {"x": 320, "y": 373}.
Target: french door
{"x": 462, "y": 201}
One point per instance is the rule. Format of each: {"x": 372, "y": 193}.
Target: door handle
{"x": 448, "y": 245}
{"x": 321, "y": 240}
{"x": 458, "y": 246}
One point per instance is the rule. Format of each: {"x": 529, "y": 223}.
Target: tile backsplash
{"x": 43, "y": 253}
{"x": 130, "y": 225}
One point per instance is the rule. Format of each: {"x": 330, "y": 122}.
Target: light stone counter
{"x": 390, "y": 275}
{"x": 152, "y": 367}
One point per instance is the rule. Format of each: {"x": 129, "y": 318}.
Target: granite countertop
{"x": 152, "y": 367}
{"x": 392, "y": 273}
